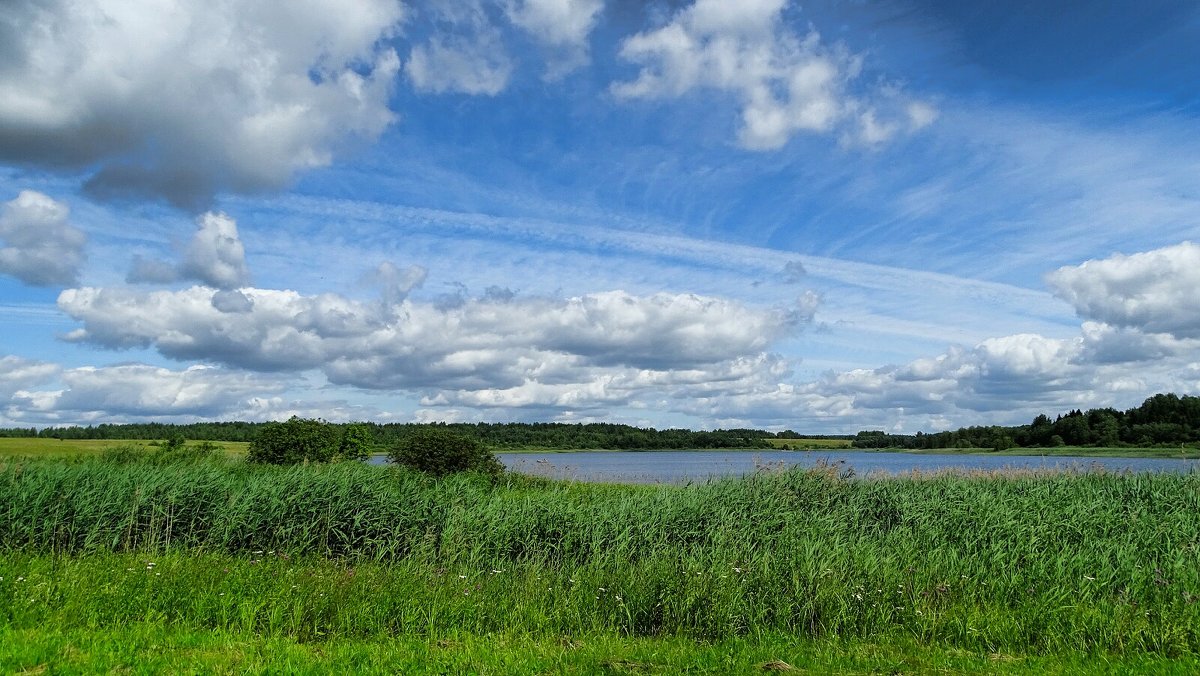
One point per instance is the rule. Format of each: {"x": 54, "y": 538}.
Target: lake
{"x": 684, "y": 466}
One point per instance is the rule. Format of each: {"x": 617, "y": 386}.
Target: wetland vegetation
{"x": 502, "y": 573}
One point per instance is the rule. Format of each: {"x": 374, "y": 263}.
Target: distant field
{"x": 65, "y": 448}
{"x": 800, "y": 444}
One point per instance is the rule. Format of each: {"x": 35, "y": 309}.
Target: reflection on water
{"x": 685, "y": 466}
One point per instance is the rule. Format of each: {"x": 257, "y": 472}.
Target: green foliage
{"x": 295, "y": 441}
{"x": 440, "y": 451}
{"x": 196, "y": 643}
{"x": 357, "y": 442}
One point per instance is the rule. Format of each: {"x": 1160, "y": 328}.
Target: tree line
{"x": 494, "y": 435}
{"x": 1161, "y": 420}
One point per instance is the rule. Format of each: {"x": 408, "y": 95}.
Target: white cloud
{"x": 786, "y": 83}
{"x": 557, "y": 22}
{"x": 131, "y": 391}
{"x": 1154, "y": 292}
{"x": 494, "y": 342}
{"x": 40, "y": 393}
{"x": 475, "y": 62}
{"x": 562, "y": 25}
{"x": 17, "y": 374}
{"x": 215, "y": 255}
{"x": 183, "y": 99}
{"x": 37, "y": 244}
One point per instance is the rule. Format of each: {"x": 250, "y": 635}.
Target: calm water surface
{"x": 684, "y": 466}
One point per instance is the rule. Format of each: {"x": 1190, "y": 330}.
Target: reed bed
{"x": 1030, "y": 563}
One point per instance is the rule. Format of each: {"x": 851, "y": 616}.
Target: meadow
{"x": 42, "y": 447}
{"x": 107, "y": 559}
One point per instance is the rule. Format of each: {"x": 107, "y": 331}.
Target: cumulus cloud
{"x": 140, "y": 390}
{"x": 183, "y": 99}
{"x": 786, "y": 83}
{"x": 1003, "y": 380}
{"x": 40, "y": 393}
{"x": 1154, "y": 291}
{"x": 17, "y": 374}
{"x": 215, "y": 255}
{"x": 37, "y": 244}
{"x": 232, "y": 300}
{"x": 482, "y": 343}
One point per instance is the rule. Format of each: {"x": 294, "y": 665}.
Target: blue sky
{"x": 826, "y": 217}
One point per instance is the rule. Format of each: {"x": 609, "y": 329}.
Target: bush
{"x": 439, "y": 451}
{"x": 295, "y": 441}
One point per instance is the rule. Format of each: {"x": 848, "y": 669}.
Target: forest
{"x": 495, "y": 435}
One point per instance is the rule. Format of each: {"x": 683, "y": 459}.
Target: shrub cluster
{"x": 439, "y": 451}
{"x": 300, "y": 440}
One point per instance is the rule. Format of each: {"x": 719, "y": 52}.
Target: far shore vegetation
{"x": 1165, "y": 425}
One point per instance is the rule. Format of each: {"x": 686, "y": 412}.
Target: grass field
{"x": 71, "y": 448}
{"x": 210, "y": 565}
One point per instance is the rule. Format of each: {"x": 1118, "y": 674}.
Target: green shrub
{"x": 295, "y": 441}
{"x": 439, "y": 451}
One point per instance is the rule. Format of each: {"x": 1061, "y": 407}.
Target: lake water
{"x": 684, "y": 466}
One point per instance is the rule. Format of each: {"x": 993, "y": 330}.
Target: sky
{"x": 826, "y": 217}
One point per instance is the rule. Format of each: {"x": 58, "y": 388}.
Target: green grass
{"x": 331, "y": 566}
{"x": 37, "y": 447}
{"x": 145, "y": 647}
